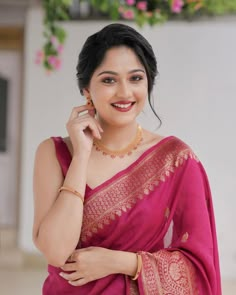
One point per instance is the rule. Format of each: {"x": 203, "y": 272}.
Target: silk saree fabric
{"x": 160, "y": 206}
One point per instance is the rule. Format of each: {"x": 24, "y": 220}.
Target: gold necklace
{"x": 122, "y": 152}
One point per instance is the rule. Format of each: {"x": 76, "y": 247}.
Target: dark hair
{"x": 113, "y": 35}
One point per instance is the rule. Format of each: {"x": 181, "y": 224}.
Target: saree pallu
{"x": 160, "y": 206}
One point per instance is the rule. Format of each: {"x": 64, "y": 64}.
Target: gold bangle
{"x": 71, "y": 190}
{"x": 139, "y": 267}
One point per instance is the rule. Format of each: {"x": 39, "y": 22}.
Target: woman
{"x": 118, "y": 209}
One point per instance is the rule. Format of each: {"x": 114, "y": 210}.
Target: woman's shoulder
{"x": 45, "y": 145}
{"x": 51, "y": 145}
{"x": 177, "y": 143}
{"x": 45, "y": 152}
{"x": 156, "y": 140}
{"x": 170, "y": 146}
{"x": 179, "y": 150}
{"x": 45, "y": 155}
{"x": 53, "y": 140}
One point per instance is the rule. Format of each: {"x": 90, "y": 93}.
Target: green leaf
{"x": 66, "y": 2}
{"x": 140, "y": 19}
{"x": 104, "y": 6}
{"x": 114, "y": 13}
{"x": 61, "y": 34}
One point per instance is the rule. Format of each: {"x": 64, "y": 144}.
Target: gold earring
{"x": 89, "y": 101}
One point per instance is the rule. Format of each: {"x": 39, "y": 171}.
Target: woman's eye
{"x": 108, "y": 80}
{"x": 136, "y": 78}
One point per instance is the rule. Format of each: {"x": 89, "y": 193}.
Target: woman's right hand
{"x": 82, "y": 127}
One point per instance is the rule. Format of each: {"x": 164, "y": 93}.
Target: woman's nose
{"x": 123, "y": 90}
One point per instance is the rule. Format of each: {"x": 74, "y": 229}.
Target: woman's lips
{"x": 123, "y": 106}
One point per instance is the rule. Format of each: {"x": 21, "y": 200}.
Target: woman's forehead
{"x": 121, "y": 57}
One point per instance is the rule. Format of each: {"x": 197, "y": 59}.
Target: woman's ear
{"x": 86, "y": 92}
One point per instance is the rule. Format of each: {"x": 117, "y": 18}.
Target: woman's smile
{"x": 123, "y": 106}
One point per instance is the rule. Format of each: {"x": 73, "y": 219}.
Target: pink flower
{"x": 176, "y": 6}
{"x": 57, "y": 64}
{"x": 60, "y": 48}
{"x": 130, "y": 2}
{"x": 39, "y": 54}
{"x": 51, "y": 60}
{"x": 39, "y": 57}
{"x": 128, "y": 14}
{"x": 54, "y": 62}
{"x": 142, "y": 5}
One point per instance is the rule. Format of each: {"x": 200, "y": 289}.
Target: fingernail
{"x": 70, "y": 282}
{"x": 61, "y": 274}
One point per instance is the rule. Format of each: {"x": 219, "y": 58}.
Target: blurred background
{"x": 194, "y": 95}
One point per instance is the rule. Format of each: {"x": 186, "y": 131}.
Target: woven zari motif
{"x": 168, "y": 273}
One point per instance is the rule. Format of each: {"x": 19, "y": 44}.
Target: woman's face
{"x": 118, "y": 87}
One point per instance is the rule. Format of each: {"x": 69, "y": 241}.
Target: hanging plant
{"x": 50, "y": 55}
{"x": 150, "y": 12}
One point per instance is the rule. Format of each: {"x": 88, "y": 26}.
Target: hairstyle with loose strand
{"x": 114, "y": 35}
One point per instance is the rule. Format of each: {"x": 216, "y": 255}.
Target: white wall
{"x": 10, "y": 66}
{"x": 195, "y": 97}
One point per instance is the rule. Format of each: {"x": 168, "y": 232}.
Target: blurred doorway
{"x": 11, "y": 45}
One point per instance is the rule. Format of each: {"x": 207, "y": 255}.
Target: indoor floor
{"x": 29, "y": 282}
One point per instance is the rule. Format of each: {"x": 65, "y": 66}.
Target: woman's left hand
{"x": 88, "y": 264}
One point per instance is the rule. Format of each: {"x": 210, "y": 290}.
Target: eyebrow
{"x": 115, "y": 73}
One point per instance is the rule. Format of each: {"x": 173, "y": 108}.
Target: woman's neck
{"x": 117, "y": 137}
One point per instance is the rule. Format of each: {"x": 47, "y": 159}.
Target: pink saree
{"x": 161, "y": 207}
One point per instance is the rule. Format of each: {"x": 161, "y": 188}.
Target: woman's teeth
{"x": 122, "y": 106}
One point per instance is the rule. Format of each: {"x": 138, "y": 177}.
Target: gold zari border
{"x": 125, "y": 191}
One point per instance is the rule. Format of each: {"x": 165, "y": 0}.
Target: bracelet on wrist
{"x": 139, "y": 267}
{"x": 71, "y": 190}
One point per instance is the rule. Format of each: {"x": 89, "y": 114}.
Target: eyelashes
{"x": 136, "y": 78}
{"x": 108, "y": 80}
{"x": 111, "y": 80}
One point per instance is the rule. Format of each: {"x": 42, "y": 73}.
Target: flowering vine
{"x": 140, "y": 11}
{"x": 50, "y": 54}
{"x": 148, "y": 11}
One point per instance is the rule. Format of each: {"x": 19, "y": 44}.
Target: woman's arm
{"x": 58, "y": 216}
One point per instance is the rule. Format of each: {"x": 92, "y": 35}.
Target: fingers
{"x": 85, "y": 124}
{"x": 74, "y": 279}
{"x": 82, "y": 118}
{"x": 70, "y": 266}
{"x": 78, "y": 110}
{"x": 71, "y": 258}
{"x": 83, "y": 269}
{"x": 76, "y": 276}
{"x": 71, "y": 276}
{"x": 79, "y": 282}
